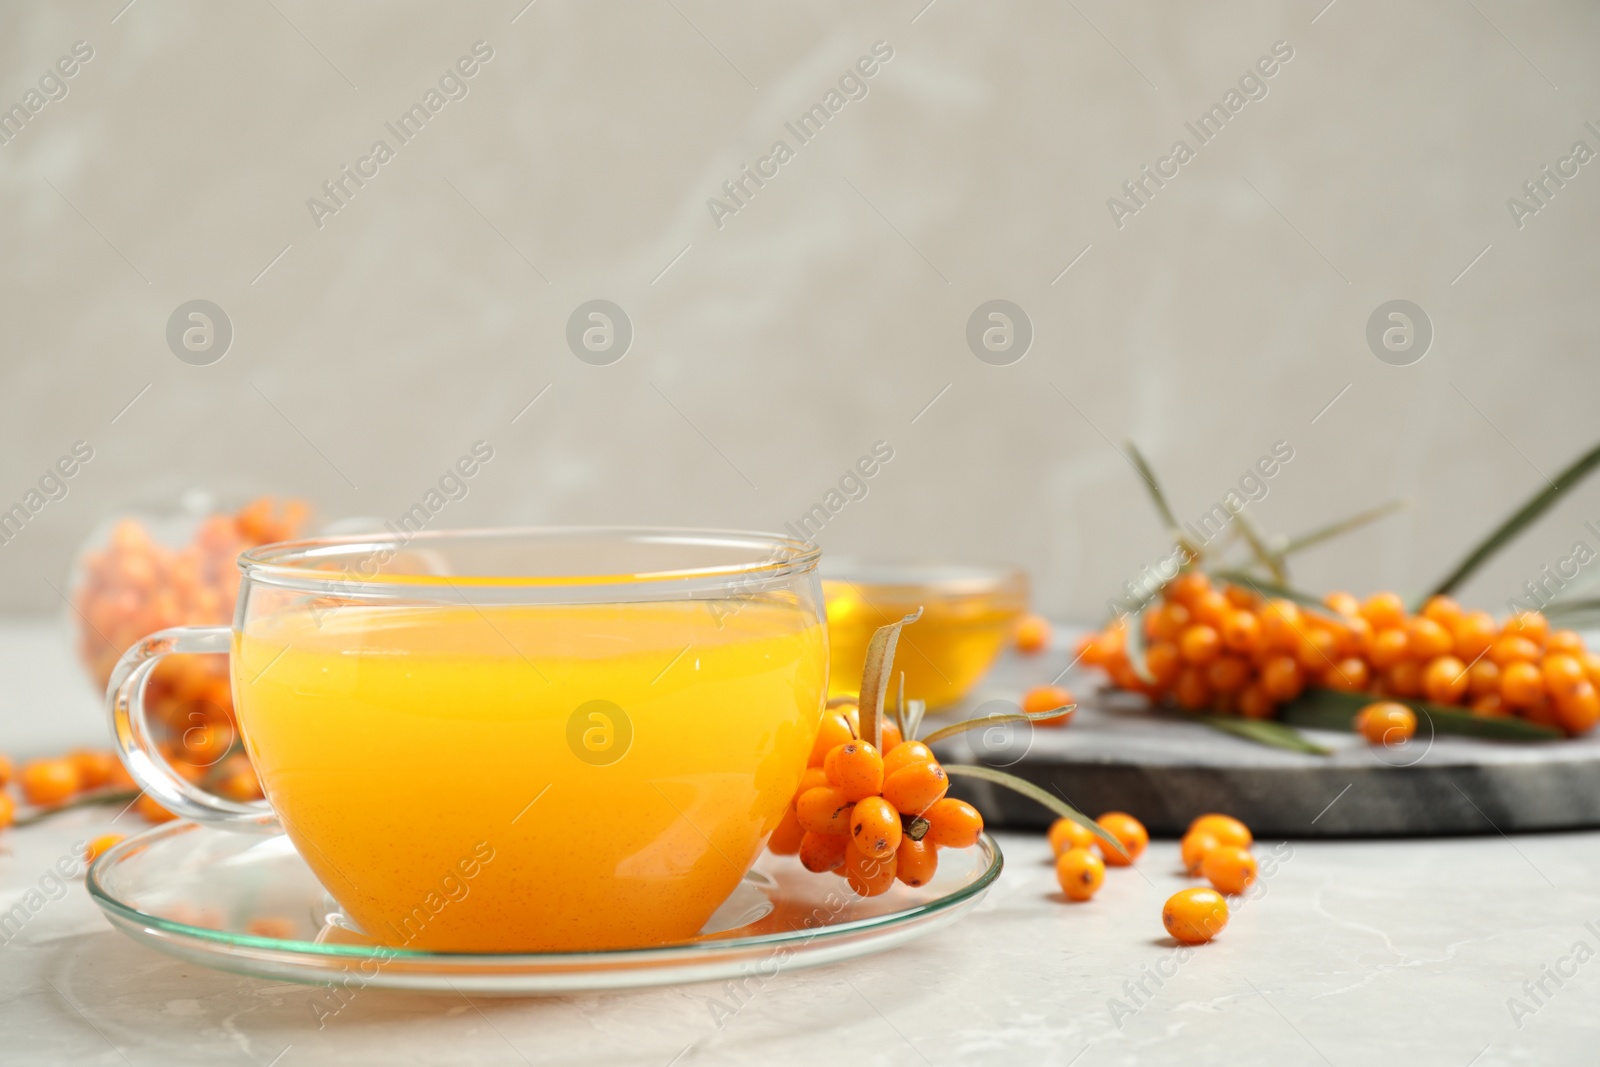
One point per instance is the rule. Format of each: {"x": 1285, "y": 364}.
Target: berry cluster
{"x": 873, "y": 817}
{"x": 1227, "y": 649}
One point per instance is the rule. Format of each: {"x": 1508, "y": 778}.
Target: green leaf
{"x": 875, "y": 677}
{"x": 993, "y": 720}
{"x": 1524, "y": 516}
{"x": 1334, "y": 529}
{"x": 1159, "y": 497}
{"x": 1273, "y": 562}
{"x": 1572, "y": 609}
{"x": 1034, "y": 793}
{"x": 1280, "y": 592}
{"x": 1264, "y": 732}
{"x": 1331, "y": 709}
{"x": 84, "y": 800}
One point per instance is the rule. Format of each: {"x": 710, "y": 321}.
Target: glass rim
{"x": 293, "y": 564}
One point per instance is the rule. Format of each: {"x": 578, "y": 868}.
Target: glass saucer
{"x": 249, "y": 904}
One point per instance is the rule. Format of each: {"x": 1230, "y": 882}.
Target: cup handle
{"x": 125, "y": 702}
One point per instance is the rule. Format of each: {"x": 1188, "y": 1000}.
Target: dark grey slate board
{"x": 1117, "y": 755}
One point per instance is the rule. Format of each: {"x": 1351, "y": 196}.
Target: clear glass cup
{"x": 524, "y": 740}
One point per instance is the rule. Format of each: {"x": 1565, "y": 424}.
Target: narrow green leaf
{"x": 1034, "y": 793}
{"x": 1334, "y": 529}
{"x": 875, "y": 677}
{"x": 1258, "y": 547}
{"x": 1264, "y": 732}
{"x": 993, "y": 720}
{"x": 1281, "y": 592}
{"x": 1331, "y": 709}
{"x": 1568, "y": 609}
{"x": 85, "y": 800}
{"x": 1159, "y": 497}
{"x": 1523, "y": 517}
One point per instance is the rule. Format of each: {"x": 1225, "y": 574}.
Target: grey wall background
{"x": 826, "y": 315}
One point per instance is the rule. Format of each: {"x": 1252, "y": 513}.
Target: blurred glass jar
{"x": 173, "y": 565}
{"x": 968, "y": 613}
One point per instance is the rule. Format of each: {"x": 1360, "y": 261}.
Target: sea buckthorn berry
{"x": 868, "y": 875}
{"x": 1348, "y": 675}
{"x": 48, "y": 781}
{"x": 1578, "y": 708}
{"x": 1080, "y": 873}
{"x": 95, "y": 767}
{"x": 1404, "y": 679}
{"x": 1591, "y": 666}
{"x": 1188, "y": 586}
{"x": 1281, "y": 624}
{"x": 822, "y": 852}
{"x": 6, "y": 771}
{"x": 904, "y": 755}
{"x": 953, "y": 823}
{"x": 8, "y": 810}
{"x": 1068, "y": 833}
{"x": 1164, "y": 662}
{"x": 1513, "y": 648}
{"x": 1210, "y": 608}
{"x": 1087, "y": 649}
{"x": 1199, "y": 644}
{"x": 1490, "y": 706}
{"x": 1483, "y": 677}
{"x": 852, "y": 716}
{"x": 1227, "y": 674}
{"x": 1426, "y": 639}
{"x": 1194, "y": 916}
{"x": 1566, "y": 642}
{"x": 915, "y": 789}
{"x": 875, "y": 827}
{"x": 1241, "y": 632}
{"x": 1229, "y": 869}
{"x": 1130, "y": 832}
{"x": 1225, "y": 828}
{"x": 1033, "y": 634}
{"x": 1195, "y": 845}
{"x": 855, "y": 769}
{"x": 1474, "y": 632}
{"x": 1443, "y": 610}
{"x": 1542, "y": 711}
{"x": 1191, "y": 690}
{"x": 1281, "y": 678}
{"x": 1342, "y": 602}
{"x": 834, "y": 731}
{"x": 916, "y": 862}
{"x": 810, "y": 778}
{"x": 1388, "y": 648}
{"x": 1046, "y": 698}
{"x": 100, "y": 846}
{"x": 1521, "y": 684}
{"x": 1316, "y": 650}
{"x": 1444, "y": 680}
{"x": 785, "y": 839}
{"x": 1384, "y": 610}
{"x": 1386, "y": 723}
{"x": 824, "y": 810}
{"x": 891, "y": 737}
{"x": 1530, "y": 624}
{"x": 1562, "y": 673}
{"x": 1254, "y": 703}
{"x": 1168, "y": 621}
{"x": 152, "y": 810}
{"x": 1240, "y": 597}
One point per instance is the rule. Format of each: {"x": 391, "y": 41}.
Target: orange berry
{"x": 1474, "y": 632}
{"x": 1196, "y": 843}
{"x": 834, "y": 731}
{"x": 916, "y": 862}
{"x": 1489, "y": 706}
{"x": 823, "y": 810}
{"x": 1194, "y": 916}
{"x": 868, "y": 875}
{"x": 6, "y": 771}
{"x": 1280, "y": 623}
{"x": 101, "y": 845}
{"x": 1240, "y": 597}
{"x": 915, "y": 789}
{"x": 1591, "y": 666}
{"x": 1426, "y": 639}
{"x": 1578, "y": 708}
{"x": 1166, "y": 622}
{"x": 1225, "y": 828}
{"x": 1384, "y": 610}
{"x": 1342, "y": 602}
{"x": 1068, "y": 833}
{"x": 1227, "y": 674}
{"x": 152, "y": 810}
{"x": 1562, "y": 673}
{"x": 855, "y": 769}
{"x": 1483, "y": 677}
{"x": 1565, "y": 641}
{"x": 1229, "y": 869}
{"x": 1281, "y": 678}
{"x": 1191, "y": 689}
{"x": 1044, "y": 698}
{"x": 1388, "y": 648}
{"x": 1080, "y": 873}
{"x": 1357, "y": 639}
{"x": 822, "y": 852}
{"x": 1241, "y": 632}
{"x": 1210, "y": 608}
{"x": 1033, "y": 634}
{"x": 953, "y": 823}
{"x": 1164, "y": 662}
{"x": 1443, "y": 610}
{"x": 1316, "y": 650}
{"x": 904, "y": 755}
{"x": 1199, "y": 644}
{"x": 8, "y": 810}
{"x": 785, "y": 839}
{"x": 95, "y": 767}
{"x": 1130, "y": 832}
{"x": 1386, "y": 723}
{"x": 1521, "y": 683}
{"x": 1513, "y": 648}
{"x": 49, "y": 781}
{"x": 810, "y": 778}
{"x": 891, "y": 737}
{"x": 1187, "y": 587}
{"x": 1530, "y": 624}
{"x": 1404, "y": 679}
{"x": 875, "y": 827}
{"x": 1349, "y": 675}
{"x": 1254, "y": 703}
{"x": 1444, "y": 680}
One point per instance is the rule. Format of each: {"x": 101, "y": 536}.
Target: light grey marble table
{"x": 1413, "y": 952}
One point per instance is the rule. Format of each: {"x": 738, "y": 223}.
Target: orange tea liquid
{"x": 531, "y": 777}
